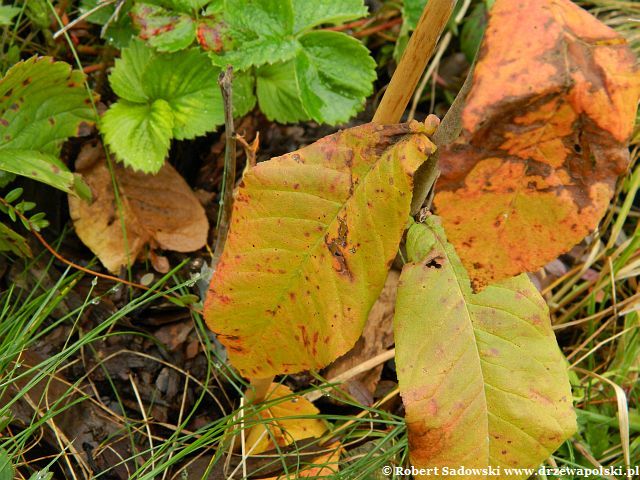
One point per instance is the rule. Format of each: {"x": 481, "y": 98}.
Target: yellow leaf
{"x": 313, "y": 234}
{"x": 275, "y": 428}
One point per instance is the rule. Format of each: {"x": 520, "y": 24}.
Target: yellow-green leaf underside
{"x": 312, "y": 236}
{"x": 481, "y": 375}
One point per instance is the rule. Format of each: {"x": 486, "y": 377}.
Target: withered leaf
{"x": 545, "y": 131}
{"x": 159, "y": 211}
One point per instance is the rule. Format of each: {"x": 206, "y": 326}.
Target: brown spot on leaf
{"x": 425, "y": 443}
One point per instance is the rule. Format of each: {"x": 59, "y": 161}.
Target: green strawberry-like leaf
{"x": 7, "y": 13}
{"x": 165, "y": 96}
{"x": 320, "y": 75}
{"x": 259, "y": 32}
{"x": 140, "y": 134}
{"x": 278, "y": 95}
{"x": 335, "y": 74}
{"x": 309, "y": 14}
{"x": 42, "y": 104}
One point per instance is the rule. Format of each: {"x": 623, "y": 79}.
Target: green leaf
{"x": 7, "y": 13}
{"x": 259, "y": 18}
{"x": 243, "y": 98}
{"x": 13, "y": 242}
{"x": 188, "y": 82}
{"x": 278, "y": 95}
{"x": 185, "y": 82}
{"x": 13, "y": 195}
{"x": 120, "y": 30}
{"x": 42, "y": 103}
{"x": 312, "y": 237}
{"x": 6, "y": 469}
{"x": 256, "y": 53}
{"x": 165, "y": 30}
{"x": 481, "y": 375}
{"x": 40, "y": 166}
{"x": 308, "y": 14}
{"x": 472, "y": 31}
{"x": 127, "y": 77}
{"x": 139, "y": 134}
{"x": 412, "y": 11}
{"x": 261, "y": 32}
{"x": 335, "y": 74}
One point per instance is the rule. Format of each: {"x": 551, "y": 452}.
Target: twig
{"x": 229, "y": 179}
{"x": 436, "y": 59}
{"x": 352, "y": 372}
{"x": 259, "y": 385}
{"x": 414, "y": 60}
{"x": 86, "y": 14}
{"x": 378, "y": 28}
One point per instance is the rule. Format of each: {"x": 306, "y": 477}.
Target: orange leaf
{"x": 544, "y": 137}
{"x": 160, "y": 211}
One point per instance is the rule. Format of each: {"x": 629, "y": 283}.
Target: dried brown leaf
{"x": 159, "y": 211}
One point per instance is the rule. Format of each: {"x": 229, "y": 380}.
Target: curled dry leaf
{"x": 312, "y": 237}
{"x": 159, "y": 211}
{"x": 275, "y": 425}
{"x": 481, "y": 375}
{"x": 544, "y": 137}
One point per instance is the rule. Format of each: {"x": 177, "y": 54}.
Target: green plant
{"x": 10, "y": 241}
{"x": 164, "y": 96}
{"x": 117, "y": 29}
{"x": 42, "y": 104}
{"x": 297, "y": 72}
{"x": 7, "y": 13}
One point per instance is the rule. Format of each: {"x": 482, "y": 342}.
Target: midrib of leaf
{"x": 443, "y": 247}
